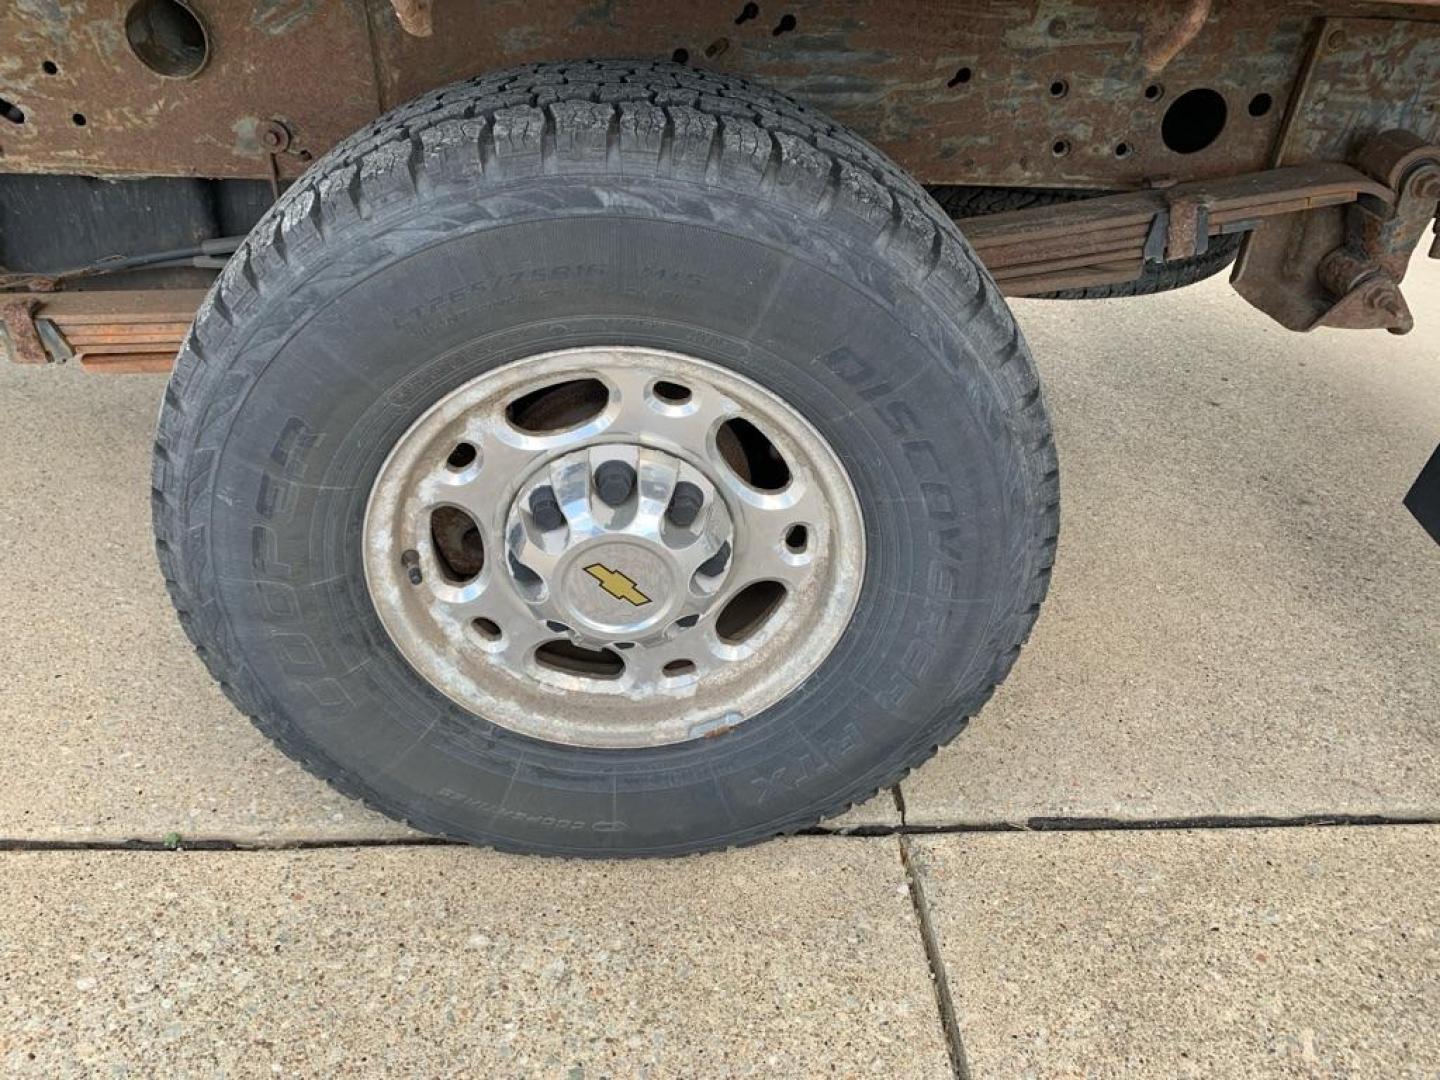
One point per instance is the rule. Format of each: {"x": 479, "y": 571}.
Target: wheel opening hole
{"x": 1060, "y": 148}
{"x": 558, "y": 407}
{"x": 50, "y": 67}
{"x": 1194, "y": 121}
{"x": 529, "y": 582}
{"x": 672, "y": 393}
{"x": 784, "y": 26}
{"x": 1059, "y": 88}
{"x": 78, "y": 119}
{"x": 797, "y": 538}
{"x": 571, "y": 659}
{"x": 462, "y": 457}
{"x": 681, "y": 56}
{"x": 749, "y": 610}
{"x": 12, "y": 112}
{"x": 748, "y": 12}
{"x": 487, "y": 630}
{"x": 751, "y": 454}
{"x": 1154, "y": 92}
{"x": 1261, "y": 104}
{"x": 459, "y": 548}
{"x": 167, "y": 37}
{"x": 960, "y": 78}
{"x": 678, "y": 668}
{"x": 1123, "y": 150}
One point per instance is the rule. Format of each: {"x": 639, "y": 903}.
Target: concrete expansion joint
{"x": 939, "y": 976}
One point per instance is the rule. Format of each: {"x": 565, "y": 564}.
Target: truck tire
{"x": 962, "y": 202}
{"x": 606, "y": 458}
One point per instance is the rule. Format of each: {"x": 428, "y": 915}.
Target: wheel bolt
{"x": 717, "y": 562}
{"x": 685, "y": 504}
{"x": 614, "y": 481}
{"x": 545, "y": 509}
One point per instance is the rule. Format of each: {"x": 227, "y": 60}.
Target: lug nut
{"x": 545, "y": 509}
{"x": 717, "y": 562}
{"x": 685, "y": 504}
{"x": 614, "y": 481}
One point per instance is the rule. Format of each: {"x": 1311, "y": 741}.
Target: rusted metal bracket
{"x": 1363, "y": 274}
{"x": 1187, "y": 230}
{"x": 275, "y": 139}
{"x": 21, "y": 339}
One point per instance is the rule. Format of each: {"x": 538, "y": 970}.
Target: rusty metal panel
{"x": 1364, "y": 76}
{"x": 1040, "y": 92}
{"x": 1061, "y": 93}
{"x": 90, "y": 105}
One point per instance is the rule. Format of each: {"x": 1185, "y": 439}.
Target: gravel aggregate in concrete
{"x": 797, "y": 958}
{"x": 1296, "y": 952}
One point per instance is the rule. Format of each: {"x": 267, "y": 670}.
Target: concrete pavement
{"x": 1300, "y": 952}
{"x": 1208, "y": 953}
{"x": 1244, "y": 623}
{"x": 454, "y": 962}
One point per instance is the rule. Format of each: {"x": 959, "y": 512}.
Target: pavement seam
{"x": 862, "y": 832}
{"x": 183, "y": 844}
{"x": 939, "y": 978}
{"x": 898, "y": 794}
{"x": 1198, "y": 822}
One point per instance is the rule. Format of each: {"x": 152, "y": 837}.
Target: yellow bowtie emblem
{"x": 617, "y": 584}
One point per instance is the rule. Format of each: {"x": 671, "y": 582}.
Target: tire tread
{"x": 623, "y": 118}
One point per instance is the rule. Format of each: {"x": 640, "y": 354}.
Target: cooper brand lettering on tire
{"x": 774, "y": 511}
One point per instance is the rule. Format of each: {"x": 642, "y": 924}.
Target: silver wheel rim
{"x": 598, "y": 547}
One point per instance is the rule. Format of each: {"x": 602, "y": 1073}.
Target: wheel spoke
{"x": 754, "y": 564}
{"x": 671, "y": 664}
{"x": 484, "y": 490}
{"x": 765, "y": 524}
{"x": 498, "y": 603}
{"x": 642, "y": 415}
